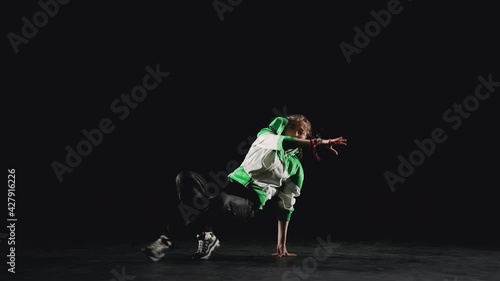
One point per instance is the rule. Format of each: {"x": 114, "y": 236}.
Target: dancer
{"x": 271, "y": 167}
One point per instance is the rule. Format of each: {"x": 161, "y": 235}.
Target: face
{"x": 296, "y": 130}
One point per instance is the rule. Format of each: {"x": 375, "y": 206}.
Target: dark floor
{"x": 252, "y": 260}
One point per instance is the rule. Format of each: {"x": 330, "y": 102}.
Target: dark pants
{"x": 202, "y": 206}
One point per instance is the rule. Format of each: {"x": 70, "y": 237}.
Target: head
{"x": 298, "y": 127}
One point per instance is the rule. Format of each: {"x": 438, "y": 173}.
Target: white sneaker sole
{"x": 153, "y": 258}
{"x": 215, "y": 246}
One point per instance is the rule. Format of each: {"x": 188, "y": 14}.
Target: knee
{"x": 185, "y": 178}
{"x": 182, "y": 176}
{"x": 190, "y": 178}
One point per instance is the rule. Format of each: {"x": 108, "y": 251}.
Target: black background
{"x": 227, "y": 80}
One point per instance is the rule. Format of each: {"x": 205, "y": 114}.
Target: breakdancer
{"x": 271, "y": 168}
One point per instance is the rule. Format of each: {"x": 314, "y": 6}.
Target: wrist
{"x": 315, "y": 143}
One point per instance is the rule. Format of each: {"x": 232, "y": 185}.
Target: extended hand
{"x": 329, "y": 143}
{"x": 281, "y": 251}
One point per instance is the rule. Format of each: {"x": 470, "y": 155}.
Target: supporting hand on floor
{"x": 281, "y": 251}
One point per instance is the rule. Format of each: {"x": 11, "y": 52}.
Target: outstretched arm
{"x": 281, "y": 250}
{"x": 309, "y": 143}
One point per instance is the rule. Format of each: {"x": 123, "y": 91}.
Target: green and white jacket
{"x": 271, "y": 171}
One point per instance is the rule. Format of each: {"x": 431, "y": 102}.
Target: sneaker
{"x": 207, "y": 243}
{"x": 157, "y": 249}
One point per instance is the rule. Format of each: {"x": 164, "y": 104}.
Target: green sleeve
{"x": 284, "y": 215}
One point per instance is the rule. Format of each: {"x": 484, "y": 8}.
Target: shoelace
{"x": 203, "y": 246}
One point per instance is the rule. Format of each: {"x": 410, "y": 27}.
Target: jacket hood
{"x": 278, "y": 125}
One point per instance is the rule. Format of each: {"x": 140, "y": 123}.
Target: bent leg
{"x": 226, "y": 208}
